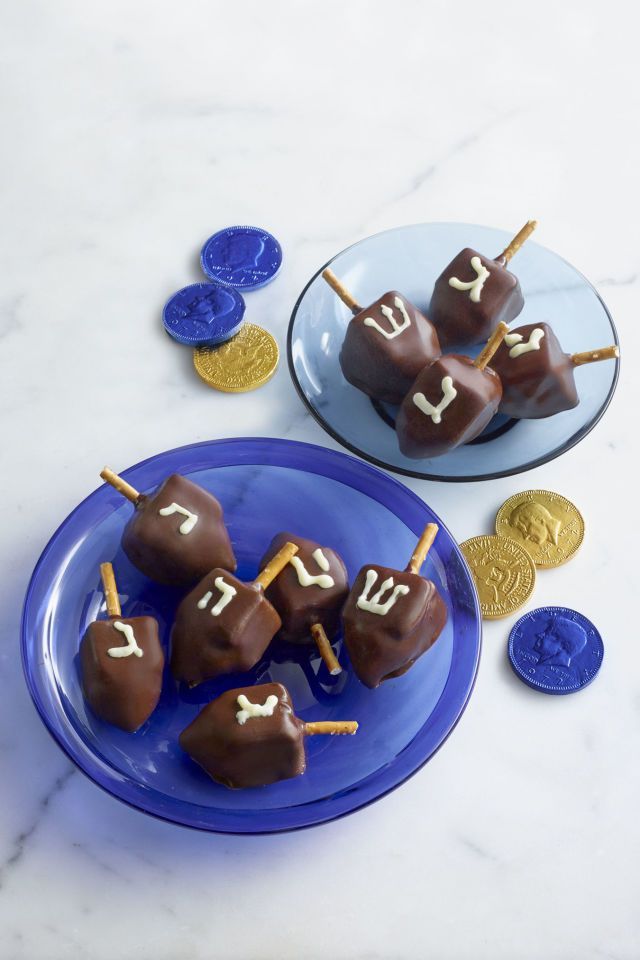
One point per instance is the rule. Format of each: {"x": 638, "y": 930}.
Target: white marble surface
{"x": 131, "y": 131}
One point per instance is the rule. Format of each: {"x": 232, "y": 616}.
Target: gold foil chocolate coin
{"x": 245, "y": 362}
{"x": 547, "y": 525}
{"x": 503, "y": 572}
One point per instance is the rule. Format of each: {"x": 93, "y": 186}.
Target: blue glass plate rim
{"x": 431, "y": 736}
{"x": 421, "y": 475}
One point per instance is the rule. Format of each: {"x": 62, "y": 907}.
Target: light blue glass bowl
{"x": 410, "y": 259}
{"x": 265, "y": 486}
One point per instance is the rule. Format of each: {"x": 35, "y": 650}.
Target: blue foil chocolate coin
{"x": 555, "y": 650}
{"x": 203, "y": 314}
{"x": 242, "y": 257}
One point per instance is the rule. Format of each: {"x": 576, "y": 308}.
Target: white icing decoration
{"x": 132, "y": 644}
{"x": 187, "y": 525}
{"x": 227, "y": 594}
{"x": 473, "y": 286}
{"x": 305, "y": 579}
{"x": 320, "y": 559}
{"x": 396, "y": 328}
{"x": 513, "y": 340}
{"x": 449, "y": 393}
{"x": 375, "y": 605}
{"x": 249, "y": 709}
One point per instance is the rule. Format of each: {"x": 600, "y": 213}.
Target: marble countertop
{"x": 131, "y": 132}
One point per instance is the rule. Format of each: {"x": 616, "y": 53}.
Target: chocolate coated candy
{"x": 432, "y": 421}
{"x": 396, "y": 626}
{"x": 123, "y": 690}
{"x": 155, "y": 545}
{"x": 222, "y": 626}
{"x": 385, "y": 347}
{"x": 536, "y": 382}
{"x": 259, "y": 751}
{"x": 301, "y": 606}
{"x": 466, "y": 316}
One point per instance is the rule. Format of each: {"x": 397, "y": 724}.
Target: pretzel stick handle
{"x": 330, "y": 726}
{"x": 490, "y": 347}
{"x": 423, "y": 546}
{"x": 512, "y": 248}
{"x": 325, "y": 649}
{"x": 276, "y": 565}
{"x": 593, "y": 356}
{"x": 338, "y": 287}
{"x": 120, "y": 485}
{"x": 110, "y": 590}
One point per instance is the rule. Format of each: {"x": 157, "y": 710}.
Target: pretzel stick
{"x": 276, "y": 564}
{"x": 341, "y": 290}
{"x": 422, "y": 548}
{"x": 110, "y": 590}
{"x": 512, "y": 248}
{"x": 491, "y": 346}
{"x": 592, "y": 356}
{"x": 325, "y": 649}
{"x": 120, "y": 485}
{"x": 330, "y": 726}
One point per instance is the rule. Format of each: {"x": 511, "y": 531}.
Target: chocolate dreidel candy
{"x": 121, "y": 663}
{"x": 391, "y": 617}
{"x": 177, "y": 533}
{"x": 225, "y": 625}
{"x": 474, "y": 293}
{"x": 537, "y": 375}
{"x": 451, "y": 402}
{"x": 251, "y": 737}
{"x": 385, "y": 345}
{"x": 309, "y": 595}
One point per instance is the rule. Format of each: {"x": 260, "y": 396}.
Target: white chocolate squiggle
{"x": 514, "y": 340}
{"x": 227, "y": 594}
{"x": 248, "y": 709}
{"x": 187, "y": 525}
{"x": 132, "y": 644}
{"x": 449, "y": 393}
{"x": 320, "y": 559}
{"x": 396, "y": 328}
{"x": 473, "y": 286}
{"x": 306, "y": 579}
{"x": 375, "y": 604}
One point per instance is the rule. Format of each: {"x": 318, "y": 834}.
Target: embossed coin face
{"x": 246, "y": 362}
{"x": 242, "y": 257}
{"x": 548, "y": 526}
{"x": 555, "y": 650}
{"x": 503, "y": 572}
{"x": 203, "y": 314}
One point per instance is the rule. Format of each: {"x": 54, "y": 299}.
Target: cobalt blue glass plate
{"x": 265, "y": 486}
{"x": 410, "y": 259}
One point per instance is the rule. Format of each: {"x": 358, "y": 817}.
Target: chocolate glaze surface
{"x": 385, "y": 646}
{"x": 476, "y": 402}
{"x": 123, "y": 691}
{"x": 458, "y": 320}
{"x": 538, "y": 383}
{"x": 205, "y": 646}
{"x": 382, "y": 368}
{"x": 260, "y": 751}
{"x": 299, "y": 607}
{"x": 155, "y": 545}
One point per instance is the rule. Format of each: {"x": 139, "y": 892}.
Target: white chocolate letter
{"x": 396, "y": 328}
{"x": 132, "y": 644}
{"x": 513, "y": 340}
{"x": 227, "y": 594}
{"x": 249, "y": 709}
{"x": 449, "y": 393}
{"x": 375, "y": 605}
{"x": 473, "y": 286}
{"x": 187, "y": 525}
{"x": 305, "y": 579}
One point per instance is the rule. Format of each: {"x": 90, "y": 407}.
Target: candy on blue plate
{"x": 264, "y": 486}
{"x": 555, "y": 650}
{"x": 203, "y": 314}
{"x": 242, "y": 257}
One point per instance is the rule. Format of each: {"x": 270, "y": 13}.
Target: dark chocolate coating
{"x": 300, "y": 607}
{"x": 260, "y": 751}
{"x": 385, "y": 646}
{"x": 538, "y": 383}
{"x": 477, "y": 400}
{"x": 460, "y": 322}
{"x": 385, "y": 369}
{"x": 205, "y": 646}
{"x": 123, "y": 691}
{"x": 155, "y": 545}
